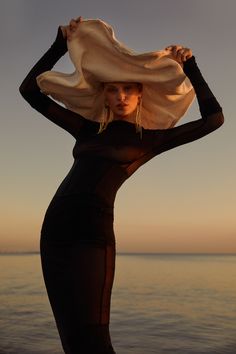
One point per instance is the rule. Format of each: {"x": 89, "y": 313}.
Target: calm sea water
{"x": 176, "y": 304}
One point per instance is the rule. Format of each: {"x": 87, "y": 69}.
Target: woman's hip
{"x": 71, "y": 220}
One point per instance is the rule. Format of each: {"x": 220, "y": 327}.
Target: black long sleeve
{"x": 66, "y": 119}
{"x": 206, "y": 99}
{"x": 211, "y": 113}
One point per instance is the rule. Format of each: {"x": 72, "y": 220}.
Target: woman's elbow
{"x": 214, "y": 121}
{"x": 25, "y": 92}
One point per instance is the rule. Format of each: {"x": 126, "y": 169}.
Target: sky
{"x": 182, "y": 201}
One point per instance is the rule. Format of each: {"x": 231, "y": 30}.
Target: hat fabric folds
{"x": 98, "y": 57}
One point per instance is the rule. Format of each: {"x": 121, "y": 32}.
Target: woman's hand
{"x": 71, "y": 28}
{"x": 180, "y": 53}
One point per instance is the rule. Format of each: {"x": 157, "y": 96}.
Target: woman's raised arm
{"x": 66, "y": 119}
{"x": 210, "y": 109}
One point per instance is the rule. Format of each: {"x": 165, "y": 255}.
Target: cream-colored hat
{"x": 99, "y": 57}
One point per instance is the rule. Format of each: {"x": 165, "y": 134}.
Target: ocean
{"x": 161, "y": 303}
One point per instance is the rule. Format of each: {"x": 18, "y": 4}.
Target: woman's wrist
{"x": 193, "y": 72}
{"x": 190, "y": 64}
{"x": 60, "y": 42}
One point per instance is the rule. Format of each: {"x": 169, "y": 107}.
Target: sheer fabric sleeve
{"x": 210, "y": 109}
{"x": 66, "y": 119}
{"x": 166, "y": 139}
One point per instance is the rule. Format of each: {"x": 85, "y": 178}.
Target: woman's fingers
{"x": 180, "y": 53}
{"x": 64, "y": 31}
{"x": 72, "y": 27}
{"x": 186, "y": 53}
{"x": 74, "y": 23}
{"x": 79, "y": 19}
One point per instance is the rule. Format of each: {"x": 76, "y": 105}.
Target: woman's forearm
{"x": 211, "y": 114}
{"x": 64, "y": 118}
{"x": 208, "y": 103}
{"x": 29, "y": 86}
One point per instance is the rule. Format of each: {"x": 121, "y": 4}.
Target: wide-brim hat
{"x": 98, "y": 57}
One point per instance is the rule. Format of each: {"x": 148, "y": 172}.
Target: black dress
{"x": 77, "y": 238}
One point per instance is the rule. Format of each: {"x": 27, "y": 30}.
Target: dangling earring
{"x": 107, "y": 117}
{"x": 138, "y": 117}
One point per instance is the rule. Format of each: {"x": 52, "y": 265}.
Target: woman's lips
{"x": 122, "y": 105}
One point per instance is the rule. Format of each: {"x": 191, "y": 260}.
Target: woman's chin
{"x": 123, "y": 115}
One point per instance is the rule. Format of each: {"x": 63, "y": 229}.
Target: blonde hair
{"x": 106, "y": 119}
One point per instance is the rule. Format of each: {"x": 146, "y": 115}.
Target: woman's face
{"x": 122, "y": 97}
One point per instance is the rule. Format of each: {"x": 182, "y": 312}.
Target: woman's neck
{"x": 129, "y": 117}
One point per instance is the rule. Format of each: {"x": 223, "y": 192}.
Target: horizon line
{"x": 132, "y": 253}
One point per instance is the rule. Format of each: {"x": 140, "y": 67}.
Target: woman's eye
{"x": 128, "y": 88}
{"x": 111, "y": 89}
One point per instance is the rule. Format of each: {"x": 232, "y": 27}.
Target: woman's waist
{"x": 84, "y": 200}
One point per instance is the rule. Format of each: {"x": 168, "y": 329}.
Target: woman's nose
{"x": 121, "y": 95}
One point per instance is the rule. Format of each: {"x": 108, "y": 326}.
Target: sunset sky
{"x": 181, "y": 201}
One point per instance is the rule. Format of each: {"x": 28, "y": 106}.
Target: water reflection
{"x": 161, "y": 304}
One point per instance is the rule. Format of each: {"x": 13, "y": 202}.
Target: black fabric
{"x": 207, "y": 101}
{"x": 79, "y": 280}
{"x": 70, "y": 220}
{"x": 77, "y": 239}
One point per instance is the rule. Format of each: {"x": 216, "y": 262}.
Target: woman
{"x": 77, "y": 238}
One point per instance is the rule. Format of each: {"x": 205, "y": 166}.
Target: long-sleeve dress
{"x": 77, "y": 237}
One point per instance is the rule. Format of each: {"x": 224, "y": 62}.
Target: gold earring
{"x": 138, "y": 117}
